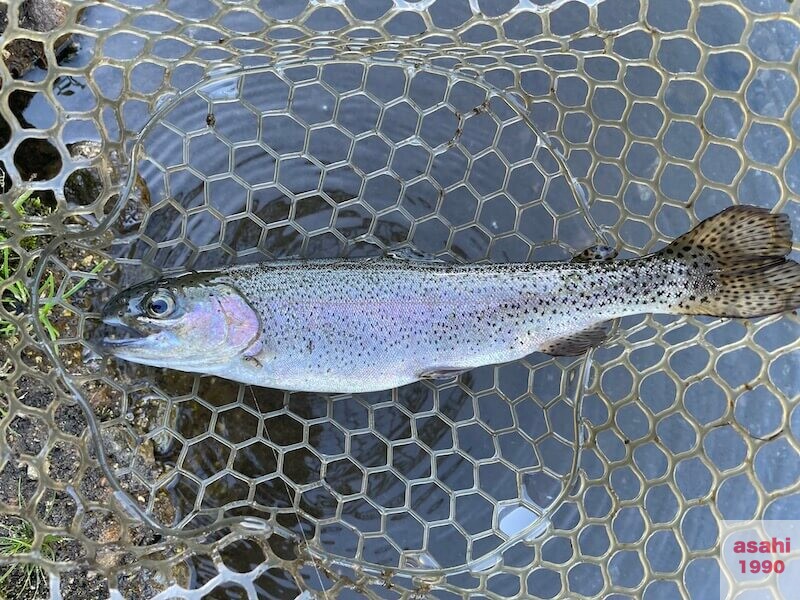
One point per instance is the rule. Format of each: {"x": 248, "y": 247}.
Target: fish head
{"x": 192, "y": 323}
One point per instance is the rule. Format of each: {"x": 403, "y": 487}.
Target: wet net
{"x": 145, "y": 138}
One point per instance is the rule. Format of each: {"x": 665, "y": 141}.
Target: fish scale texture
{"x": 376, "y": 324}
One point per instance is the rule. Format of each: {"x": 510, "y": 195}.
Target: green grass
{"x": 47, "y": 289}
{"x": 16, "y": 294}
{"x": 17, "y": 537}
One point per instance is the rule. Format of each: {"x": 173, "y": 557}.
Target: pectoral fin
{"x": 440, "y": 373}
{"x": 577, "y": 343}
{"x": 596, "y": 253}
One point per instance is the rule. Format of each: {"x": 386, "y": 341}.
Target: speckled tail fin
{"x": 739, "y": 256}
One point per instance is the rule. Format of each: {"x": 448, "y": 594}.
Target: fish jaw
{"x": 130, "y": 348}
{"x": 139, "y": 345}
{"x": 209, "y": 327}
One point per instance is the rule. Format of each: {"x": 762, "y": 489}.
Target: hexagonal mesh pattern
{"x": 474, "y": 131}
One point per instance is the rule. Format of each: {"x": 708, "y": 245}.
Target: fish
{"x": 362, "y": 325}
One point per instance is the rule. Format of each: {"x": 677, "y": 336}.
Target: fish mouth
{"x": 122, "y": 335}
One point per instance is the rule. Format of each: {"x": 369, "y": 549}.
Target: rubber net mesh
{"x": 188, "y": 134}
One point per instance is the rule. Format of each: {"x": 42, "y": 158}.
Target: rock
{"x": 36, "y": 15}
{"x": 42, "y": 15}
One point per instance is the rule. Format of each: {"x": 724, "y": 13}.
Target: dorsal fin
{"x": 596, "y": 253}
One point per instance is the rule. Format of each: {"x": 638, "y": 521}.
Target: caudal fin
{"x": 739, "y": 256}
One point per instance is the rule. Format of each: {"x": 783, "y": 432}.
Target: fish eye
{"x": 160, "y": 304}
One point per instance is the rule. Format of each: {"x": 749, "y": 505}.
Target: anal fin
{"x": 578, "y": 342}
{"x": 412, "y": 254}
{"x": 440, "y": 373}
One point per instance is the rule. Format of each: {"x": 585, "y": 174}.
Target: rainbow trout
{"x": 373, "y": 324}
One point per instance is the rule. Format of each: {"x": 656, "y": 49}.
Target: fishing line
{"x": 289, "y": 494}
